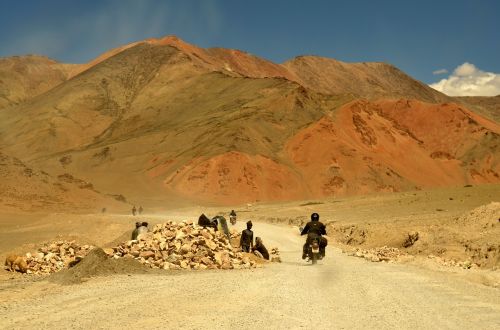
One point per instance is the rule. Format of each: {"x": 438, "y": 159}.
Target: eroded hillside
{"x": 165, "y": 120}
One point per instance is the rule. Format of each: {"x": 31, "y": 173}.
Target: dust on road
{"x": 340, "y": 292}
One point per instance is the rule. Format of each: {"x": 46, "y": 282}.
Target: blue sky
{"x": 419, "y": 37}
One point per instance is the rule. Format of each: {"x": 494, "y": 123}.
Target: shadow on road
{"x": 299, "y": 263}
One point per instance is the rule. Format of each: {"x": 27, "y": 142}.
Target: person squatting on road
{"x": 140, "y": 228}
{"x": 259, "y": 249}
{"x": 246, "y": 240}
{"x": 314, "y": 229}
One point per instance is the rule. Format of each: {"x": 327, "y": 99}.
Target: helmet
{"x": 315, "y": 217}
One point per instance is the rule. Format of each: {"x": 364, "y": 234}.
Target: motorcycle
{"x": 232, "y": 219}
{"x": 314, "y": 252}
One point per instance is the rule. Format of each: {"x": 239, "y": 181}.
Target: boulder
{"x": 218, "y": 258}
{"x": 211, "y": 244}
{"x": 206, "y": 261}
{"x": 146, "y": 254}
{"x": 185, "y": 248}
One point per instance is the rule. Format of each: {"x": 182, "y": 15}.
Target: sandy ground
{"x": 341, "y": 292}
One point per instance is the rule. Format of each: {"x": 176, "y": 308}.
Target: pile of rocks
{"x": 54, "y": 256}
{"x": 392, "y": 254}
{"x": 184, "y": 245}
{"x": 467, "y": 264}
{"x": 379, "y": 254}
{"x": 235, "y": 234}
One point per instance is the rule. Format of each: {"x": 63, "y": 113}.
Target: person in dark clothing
{"x": 314, "y": 229}
{"x": 220, "y": 220}
{"x": 134, "y": 211}
{"x": 259, "y": 247}
{"x": 232, "y": 217}
{"x": 140, "y": 228}
{"x": 204, "y": 221}
{"x": 246, "y": 241}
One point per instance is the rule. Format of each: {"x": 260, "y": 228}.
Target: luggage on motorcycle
{"x": 323, "y": 242}
{"x": 315, "y": 247}
{"x": 314, "y": 254}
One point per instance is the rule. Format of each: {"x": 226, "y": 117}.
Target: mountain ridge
{"x": 182, "y": 123}
{"x": 233, "y": 61}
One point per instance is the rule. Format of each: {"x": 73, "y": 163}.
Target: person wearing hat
{"x": 246, "y": 241}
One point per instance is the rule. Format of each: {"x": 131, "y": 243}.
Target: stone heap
{"x": 184, "y": 245}
{"x": 55, "y": 256}
{"x": 235, "y": 234}
{"x": 379, "y": 254}
{"x": 170, "y": 245}
{"x": 467, "y": 264}
{"x": 392, "y": 254}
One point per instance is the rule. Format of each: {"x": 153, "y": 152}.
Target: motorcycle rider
{"x": 232, "y": 217}
{"x": 314, "y": 229}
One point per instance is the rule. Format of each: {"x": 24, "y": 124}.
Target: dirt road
{"x": 339, "y": 293}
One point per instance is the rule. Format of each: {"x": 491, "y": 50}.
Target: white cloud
{"x": 468, "y": 80}
{"x": 465, "y": 70}
{"x": 440, "y": 71}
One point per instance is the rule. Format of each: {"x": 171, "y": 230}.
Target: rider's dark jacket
{"x": 314, "y": 228}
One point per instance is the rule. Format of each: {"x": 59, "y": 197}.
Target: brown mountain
{"x": 392, "y": 145}
{"x": 487, "y": 106}
{"x": 32, "y": 190}
{"x": 165, "y": 121}
{"x": 366, "y": 80}
{"x": 24, "y": 77}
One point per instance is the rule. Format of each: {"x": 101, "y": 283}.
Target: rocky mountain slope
{"x": 165, "y": 121}
{"x": 486, "y": 106}
{"x": 365, "y": 80}
{"x": 27, "y": 189}
{"x": 24, "y": 77}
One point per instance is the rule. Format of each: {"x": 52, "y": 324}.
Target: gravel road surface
{"x": 340, "y": 292}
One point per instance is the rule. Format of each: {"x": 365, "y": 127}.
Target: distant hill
{"x": 169, "y": 122}
{"x": 24, "y": 77}
{"x": 31, "y": 190}
{"x": 487, "y": 106}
